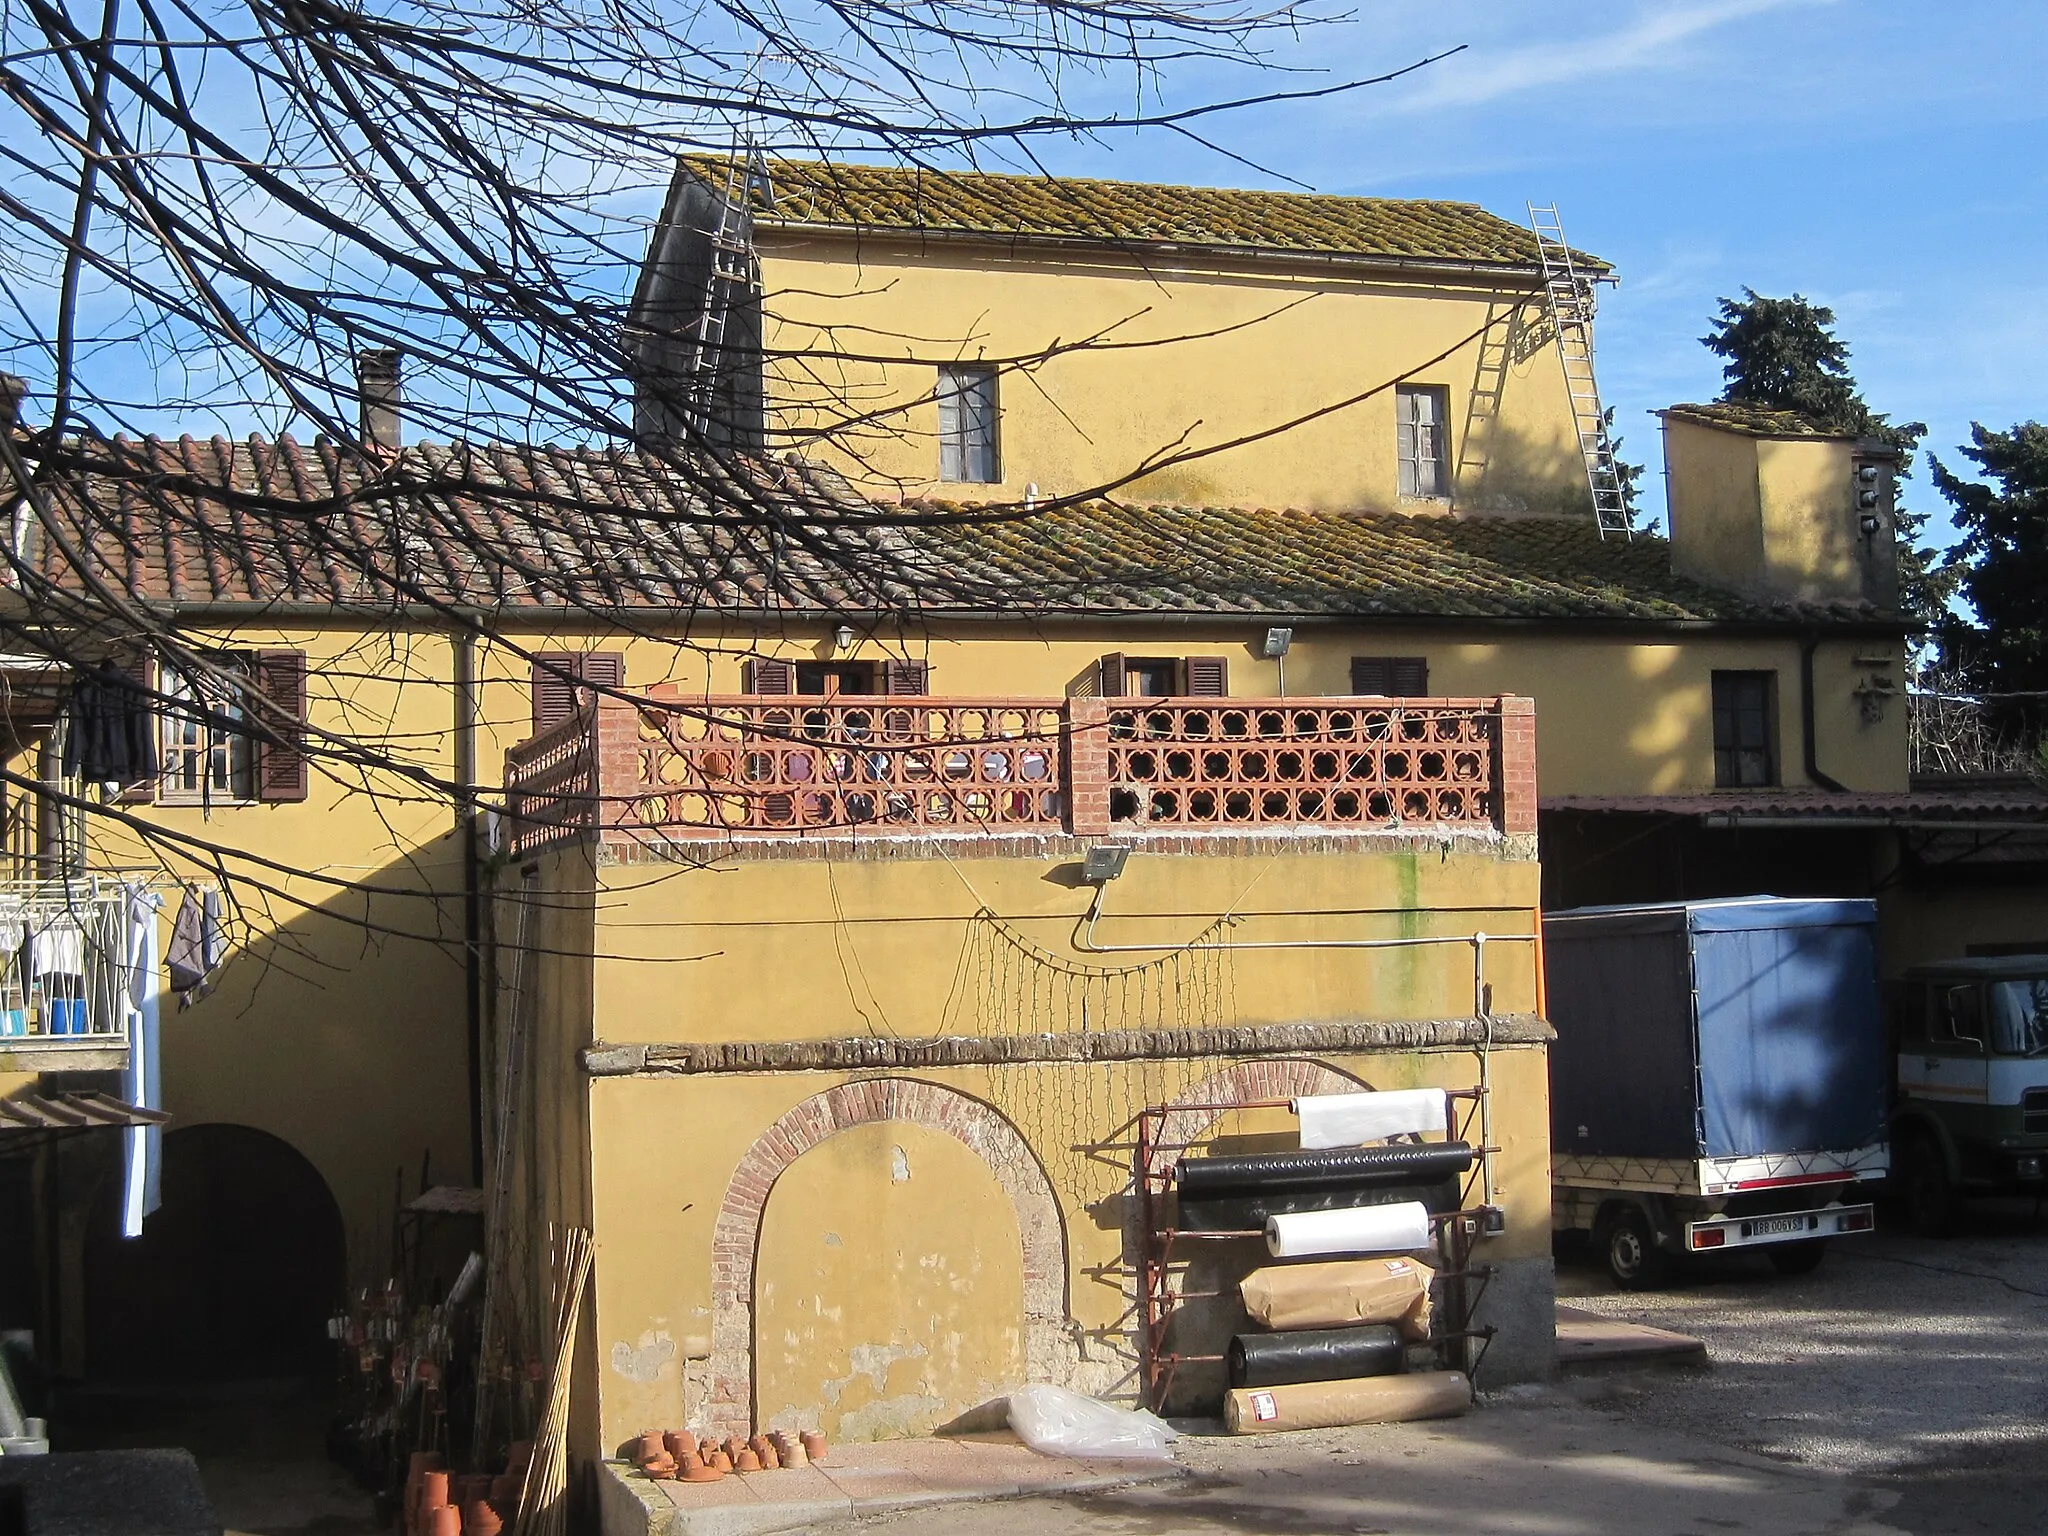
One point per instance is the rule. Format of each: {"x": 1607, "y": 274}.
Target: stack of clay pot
{"x": 476, "y": 1504}
{"x": 678, "y": 1454}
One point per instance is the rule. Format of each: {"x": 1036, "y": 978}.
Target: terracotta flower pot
{"x": 650, "y": 1446}
{"x": 425, "y": 1461}
{"x": 661, "y": 1468}
{"x": 732, "y": 1446}
{"x": 505, "y": 1487}
{"x": 706, "y": 1446}
{"x": 789, "y": 1449}
{"x": 517, "y": 1458}
{"x": 746, "y": 1461}
{"x": 433, "y": 1490}
{"x": 679, "y": 1443}
{"x": 814, "y": 1445}
{"x": 445, "y": 1521}
{"x": 720, "y": 1462}
{"x": 701, "y": 1474}
{"x": 481, "y": 1520}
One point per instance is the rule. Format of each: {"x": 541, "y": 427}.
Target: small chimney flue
{"x": 378, "y": 395}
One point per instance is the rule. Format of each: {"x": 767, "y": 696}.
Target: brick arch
{"x": 1245, "y": 1083}
{"x": 982, "y": 1130}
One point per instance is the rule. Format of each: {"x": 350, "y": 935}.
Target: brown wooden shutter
{"x": 141, "y": 675}
{"x": 1207, "y": 677}
{"x": 1391, "y": 677}
{"x": 601, "y": 669}
{"x": 281, "y": 762}
{"x": 906, "y": 676}
{"x": 554, "y": 689}
{"x": 1113, "y": 680}
{"x": 764, "y": 676}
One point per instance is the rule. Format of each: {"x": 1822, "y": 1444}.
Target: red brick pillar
{"x": 614, "y": 766}
{"x": 1516, "y": 767}
{"x": 1087, "y": 758}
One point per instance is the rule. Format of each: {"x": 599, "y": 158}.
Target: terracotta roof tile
{"x": 876, "y": 197}
{"x": 263, "y": 522}
{"x": 1753, "y": 420}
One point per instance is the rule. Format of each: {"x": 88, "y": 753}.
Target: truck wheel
{"x": 1798, "y": 1258}
{"x": 1931, "y": 1197}
{"x": 1633, "y": 1257}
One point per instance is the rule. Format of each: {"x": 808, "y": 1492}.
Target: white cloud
{"x": 1653, "y": 39}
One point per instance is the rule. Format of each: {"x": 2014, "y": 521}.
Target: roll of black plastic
{"x": 1341, "y": 1168}
{"x": 1315, "y": 1354}
{"x": 1247, "y": 1213}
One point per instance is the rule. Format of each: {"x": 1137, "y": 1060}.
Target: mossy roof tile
{"x": 880, "y": 198}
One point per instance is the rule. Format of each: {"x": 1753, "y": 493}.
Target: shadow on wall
{"x": 234, "y": 1277}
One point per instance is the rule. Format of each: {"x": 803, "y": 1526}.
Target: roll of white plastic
{"x": 1365, "y": 1229}
{"x": 1346, "y": 1119}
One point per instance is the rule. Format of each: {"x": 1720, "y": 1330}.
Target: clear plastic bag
{"x": 1056, "y": 1422}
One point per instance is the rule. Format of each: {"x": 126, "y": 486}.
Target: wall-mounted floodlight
{"x": 1104, "y": 862}
{"x": 842, "y": 638}
{"x": 1278, "y": 643}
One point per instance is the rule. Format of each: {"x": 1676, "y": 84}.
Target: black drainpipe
{"x": 1806, "y": 649}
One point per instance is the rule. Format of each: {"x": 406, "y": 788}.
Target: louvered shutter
{"x": 1391, "y": 677}
{"x": 141, "y": 676}
{"x": 601, "y": 669}
{"x": 906, "y": 677}
{"x": 1114, "y": 681}
{"x": 1372, "y": 676}
{"x": 763, "y": 676}
{"x": 1207, "y": 677}
{"x": 554, "y": 689}
{"x": 280, "y": 747}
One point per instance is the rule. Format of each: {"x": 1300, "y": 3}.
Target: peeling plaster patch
{"x": 872, "y": 1361}
{"x": 643, "y": 1364}
{"x": 894, "y": 1418}
{"x": 832, "y": 1240}
{"x": 899, "y": 1166}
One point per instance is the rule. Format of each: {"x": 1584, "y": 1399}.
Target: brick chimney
{"x": 378, "y": 395}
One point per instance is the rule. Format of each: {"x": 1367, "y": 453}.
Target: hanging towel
{"x": 58, "y": 950}
{"x": 196, "y": 945}
{"x": 143, "y": 1147}
{"x": 1346, "y": 1119}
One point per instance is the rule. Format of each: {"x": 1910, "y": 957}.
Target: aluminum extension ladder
{"x": 1571, "y": 314}
{"x": 730, "y": 279}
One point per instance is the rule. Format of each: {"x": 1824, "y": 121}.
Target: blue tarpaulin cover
{"x": 1716, "y": 1028}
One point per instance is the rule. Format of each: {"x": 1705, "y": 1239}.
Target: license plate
{"x": 1771, "y": 1226}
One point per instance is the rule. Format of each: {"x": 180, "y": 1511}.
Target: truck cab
{"x": 1970, "y": 1112}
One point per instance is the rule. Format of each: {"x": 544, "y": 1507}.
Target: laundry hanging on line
{"x": 112, "y": 735}
{"x": 196, "y": 947}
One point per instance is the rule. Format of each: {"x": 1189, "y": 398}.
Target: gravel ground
{"x": 1900, "y": 1359}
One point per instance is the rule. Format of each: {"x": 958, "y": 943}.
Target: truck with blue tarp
{"x": 1720, "y": 1078}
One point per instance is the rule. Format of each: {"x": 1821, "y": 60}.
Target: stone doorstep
{"x": 858, "y": 1479}
{"x": 1588, "y": 1342}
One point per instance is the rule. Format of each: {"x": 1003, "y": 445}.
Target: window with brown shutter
{"x": 1112, "y": 676}
{"x": 1390, "y": 677}
{"x": 759, "y": 675}
{"x": 1208, "y": 677}
{"x": 906, "y": 676}
{"x": 281, "y": 734}
{"x": 556, "y": 679}
{"x": 141, "y": 676}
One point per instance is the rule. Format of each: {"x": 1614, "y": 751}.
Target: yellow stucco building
{"x": 797, "y": 1002}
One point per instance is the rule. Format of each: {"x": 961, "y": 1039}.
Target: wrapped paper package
{"x": 1346, "y": 1119}
{"x": 1328, "y": 1404}
{"x": 1365, "y": 1229}
{"x": 1343, "y": 1293}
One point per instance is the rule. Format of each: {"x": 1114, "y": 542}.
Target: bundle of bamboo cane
{"x": 543, "y": 1498}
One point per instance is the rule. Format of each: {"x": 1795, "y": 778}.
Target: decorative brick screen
{"x": 1198, "y": 763}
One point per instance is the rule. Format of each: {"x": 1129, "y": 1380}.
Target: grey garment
{"x": 196, "y": 945}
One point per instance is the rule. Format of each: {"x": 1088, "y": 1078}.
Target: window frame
{"x": 1729, "y": 747}
{"x": 1407, "y": 461}
{"x": 1413, "y": 669}
{"x": 226, "y": 733}
{"x": 960, "y": 455}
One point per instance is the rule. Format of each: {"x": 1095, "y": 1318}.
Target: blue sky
{"x": 1882, "y": 157}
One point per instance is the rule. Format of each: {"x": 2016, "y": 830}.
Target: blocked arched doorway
{"x": 233, "y": 1277}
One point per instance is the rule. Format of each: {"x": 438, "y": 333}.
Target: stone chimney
{"x": 378, "y": 394}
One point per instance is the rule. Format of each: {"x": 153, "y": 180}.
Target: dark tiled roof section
{"x": 279, "y": 522}
{"x": 977, "y": 202}
{"x": 1373, "y": 564}
{"x": 1753, "y": 420}
{"x": 214, "y": 521}
{"x": 1855, "y": 805}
